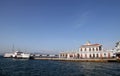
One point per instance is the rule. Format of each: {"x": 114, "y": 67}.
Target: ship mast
{"x": 13, "y": 48}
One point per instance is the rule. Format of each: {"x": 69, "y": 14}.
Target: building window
{"x": 85, "y": 55}
{"x": 93, "y": 49}
{"x": 97, "y": 56}
{"x": 81, "y": 55}
{"x": 101, "y": 55}
{"x": 89, "y": 49}
{"x": 108, "y": 55}
{"x": 96, "y": 49}
{"x": 78, "y": 56}
{"x": 104, "y": 54}
{"x": 71, "y": 55}
{"x": 81, "y": 49}
{"x": 66, "y": 55}
{"x": 90, "y": 56}
{"x": 61, "y": 55}
{"x": 93, "y": 55}
{"x": 85, "y": 49}
{"x": 100, "y": 48}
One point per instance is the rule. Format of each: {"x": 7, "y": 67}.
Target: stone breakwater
{"x": 80, "y": 60}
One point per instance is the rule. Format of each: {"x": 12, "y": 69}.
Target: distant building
{"x": 88, "y": 50}
{"x": 117, "y": 49}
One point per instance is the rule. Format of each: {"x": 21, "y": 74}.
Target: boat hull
{"x": 19, "y": 55}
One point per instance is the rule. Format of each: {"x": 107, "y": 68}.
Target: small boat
{"x": 17, "y": 54}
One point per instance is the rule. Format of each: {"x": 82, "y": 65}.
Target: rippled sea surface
{"x": 21, "y": 67}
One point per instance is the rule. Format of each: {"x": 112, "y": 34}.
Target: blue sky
{"x": 51, "y": 26}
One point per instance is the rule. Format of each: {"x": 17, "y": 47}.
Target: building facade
{"x": 90, "y": 51}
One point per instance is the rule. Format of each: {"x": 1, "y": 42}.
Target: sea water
{"x": 24, "y": 67}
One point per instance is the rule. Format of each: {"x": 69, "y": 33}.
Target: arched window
{"x": 104, "y": 54}
{"x": 71, "y": 55}
{"x": 96, "y": 49}
{"x": 101, "y": 55}
{"x": 78, "y": 56}
{"x": 63, "y": 55}
{"x": 85, "y": 55}
{"x": 89, "y": 49}
{"x": 108, "y": 55}
{"x": 81, "y": 49}
{"x": 97, "y": 55}
{"x": 90, "y": 56}
{"x": 81, "y": 55}
{"x": 66, "y": 55}
{"x": 100, "y": 48}
{"x": 60, "y": 55}
{"x": 93, "y": 55}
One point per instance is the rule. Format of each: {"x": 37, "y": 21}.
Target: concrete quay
{"x": 80, "y": 60}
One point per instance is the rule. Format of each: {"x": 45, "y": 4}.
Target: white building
{"x": 117, "y": 49}
{"x": 88, "y": 50}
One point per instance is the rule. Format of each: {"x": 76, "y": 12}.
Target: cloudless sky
{"x": 52, "y": 26}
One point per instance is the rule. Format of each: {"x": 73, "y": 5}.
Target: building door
{"x": 90, "y": 56}
{"x": 85, "y": 55}
{"x": 100, "y": 55}
{"x": 108, "y": 55}
{"x": 97, "y": 55}
{"x": 93, "y": 55}
{"x": 78, "y": 56}
{"x": 81, "y": 56}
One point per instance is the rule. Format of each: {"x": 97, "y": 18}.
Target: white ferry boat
{"x": 17, "y": 54}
